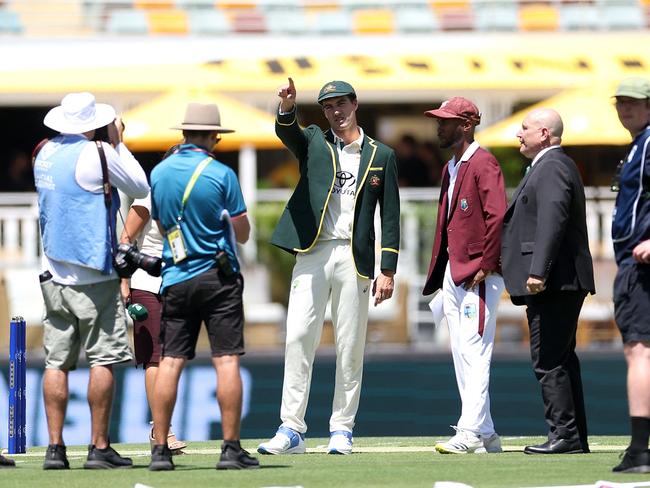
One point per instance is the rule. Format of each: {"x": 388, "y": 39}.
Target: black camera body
{"x": 224, "y": 265}
{"x": 127, "y": 259}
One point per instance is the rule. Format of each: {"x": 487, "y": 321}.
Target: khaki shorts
{"x": 89, "y": 315}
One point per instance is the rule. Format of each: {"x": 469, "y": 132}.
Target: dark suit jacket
{"x": 545, "y": 231}
{"x": 301, "y": 222}
{"x": 472, "y": 233}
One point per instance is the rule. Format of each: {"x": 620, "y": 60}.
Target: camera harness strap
{"x": 175, "y": 235}
{"x": 190, "y": 185}
{"x": 106, "y": 187}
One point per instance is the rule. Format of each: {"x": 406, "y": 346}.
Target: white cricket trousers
{"x": 327, "y": 270}
{"x": 471, "y": 317}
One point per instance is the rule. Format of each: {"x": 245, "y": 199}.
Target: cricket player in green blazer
{"x": 328, "y": 224}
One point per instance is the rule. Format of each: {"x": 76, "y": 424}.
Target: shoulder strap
{"x": 106, "y": 184}
{"x": 38, "y": 148}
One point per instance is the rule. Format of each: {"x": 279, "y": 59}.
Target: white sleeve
{"x": 124, "y": 171}
{"x": 143, "y": 202}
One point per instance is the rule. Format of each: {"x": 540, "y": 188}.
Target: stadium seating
{"x": 10, "y": 22}
{"x": 332, "y": 22}
{"x": 285, "y": 21}
{"x": 320, "y": 17}
{"x": 379, "y": 21}
{"x": 622, "y": 16}
{"x": 169, "y": 21}
{"x": 127, "y": 21}
{"x": 208, "y": 23}
{"x": 415, "y": 20}
{"x": 580, "y": 16}
{"x": 496, "y": 16}
{"x": 538, "y": 17}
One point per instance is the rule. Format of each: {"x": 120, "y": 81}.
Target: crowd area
{"x": 175, "y": 266}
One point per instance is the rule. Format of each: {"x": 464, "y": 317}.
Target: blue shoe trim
{"x": 294, "y": 437}
{"x": 342, "y": 432}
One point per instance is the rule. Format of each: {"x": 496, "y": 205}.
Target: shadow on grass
{"x": 180, "y": 467}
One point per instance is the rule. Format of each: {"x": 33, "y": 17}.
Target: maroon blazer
{"x": 471, "y": 237}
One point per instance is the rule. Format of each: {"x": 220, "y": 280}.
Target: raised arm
{"x": 286, "y": 122}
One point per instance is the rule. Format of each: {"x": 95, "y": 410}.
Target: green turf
{"x": 405, "y": 468}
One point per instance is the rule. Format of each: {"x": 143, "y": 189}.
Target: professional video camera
{"x": 127, "y": 259}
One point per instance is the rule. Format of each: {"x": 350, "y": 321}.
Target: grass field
{"x": 376, "y": 462}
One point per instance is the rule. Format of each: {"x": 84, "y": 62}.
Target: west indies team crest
{"x": 375, "y": 180}
{"x": 463, "y": 204}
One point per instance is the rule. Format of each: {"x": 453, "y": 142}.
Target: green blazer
{"x": 302, "y": 220}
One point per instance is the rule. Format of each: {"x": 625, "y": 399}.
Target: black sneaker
{"x": 634, "y": 462}
{"x": 107, "y": 458}
{"x": 55, "y": 457}
{"x": 232, "y": 458}
{"x": 161, "y": 458}
{"x": 6, "y": 462}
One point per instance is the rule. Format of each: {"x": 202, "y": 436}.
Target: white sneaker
{"x": 463, "y": 442}
{"x": 285, "y": 441}
{"x": 491, "y": 444}
{"x": 340, "y": 442}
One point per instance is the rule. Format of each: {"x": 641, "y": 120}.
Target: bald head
{"x": 540, "y": 129}
{"x": 550, "y": 119}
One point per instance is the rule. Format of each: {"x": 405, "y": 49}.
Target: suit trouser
{"x": 553, "y": 320}
{"x": 327, "y": 270}
{"x": 471, "y": 318}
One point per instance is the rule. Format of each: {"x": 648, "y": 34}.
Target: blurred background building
{"x": 149, "y": 58}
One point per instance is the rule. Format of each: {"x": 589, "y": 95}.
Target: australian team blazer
{"x": 302, "y": 220}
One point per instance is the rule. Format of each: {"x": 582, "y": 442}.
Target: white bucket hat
{"x": 78, "y": 113}
{"x": 202, "y": 116}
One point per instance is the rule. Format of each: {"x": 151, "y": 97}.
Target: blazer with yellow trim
{"x": 301, "y": 222}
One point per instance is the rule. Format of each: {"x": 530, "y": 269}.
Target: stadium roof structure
{"x": 588, "y": 114}
{"x": 147, "y": 126}
{"x": 395, "y": 69}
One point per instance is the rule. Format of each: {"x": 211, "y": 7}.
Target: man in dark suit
{"x": 465, "y": 264}
{"x": 328, "y": 224}
{"x": 547, "y": 267}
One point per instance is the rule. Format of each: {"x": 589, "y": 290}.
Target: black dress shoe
{"x": 556, "y": 446}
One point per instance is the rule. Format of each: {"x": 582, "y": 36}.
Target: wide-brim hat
{"x": 78, "y": 113}
{"x": 202, "y": 116}
{"x": 335, "y": 88}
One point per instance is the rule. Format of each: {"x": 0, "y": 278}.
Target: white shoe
{"x": 285, "y": 441}
{"x": 491, "y": 444}
{"x": 463, "y": 442}
{"x": 340, "y": 442}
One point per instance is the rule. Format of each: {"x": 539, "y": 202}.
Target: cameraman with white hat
{"x": 76, "y": 180}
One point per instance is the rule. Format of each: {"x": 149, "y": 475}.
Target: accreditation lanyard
{"x": 175, "y": 235}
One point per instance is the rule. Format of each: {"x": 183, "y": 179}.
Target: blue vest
{"x": 74, "y": 227}
{"x": 631, "y": 218}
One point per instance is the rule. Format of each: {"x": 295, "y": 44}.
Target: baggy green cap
{"x": 634, "y": 88}
{"x": 335, "y": 89}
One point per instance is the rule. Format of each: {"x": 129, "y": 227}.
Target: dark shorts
{"x": 146, "y": 333}
{"x": 632, "y": 302}
{"x": 207, "y": 298}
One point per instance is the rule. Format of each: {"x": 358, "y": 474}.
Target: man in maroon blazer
{"x": 465, "y": 264}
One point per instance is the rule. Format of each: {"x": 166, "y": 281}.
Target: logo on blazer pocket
{"x": 375, "y": 181}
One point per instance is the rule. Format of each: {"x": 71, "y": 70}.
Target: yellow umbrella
{"x": 588, "y": 114}
{"x": 148, "y": 125}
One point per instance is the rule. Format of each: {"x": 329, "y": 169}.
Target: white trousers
{"x": 471, "y": 318}
{"x": 326, "y": 271}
